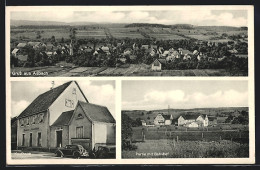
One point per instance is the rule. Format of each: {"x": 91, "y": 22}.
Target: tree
{"x": 53, "y": 40}
{"x": 127, "y": 130}
{"x": 138, "y": 122}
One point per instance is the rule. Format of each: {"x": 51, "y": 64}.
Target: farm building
{"x": 22, "y": 57}
{"x": 63, "y": 116}
{"x": 162, "y": 119}
{"x": 145, "y": 47}
{"x": 212, "y": 120}
{"x": 186, "y": 120}
{"x": 143, "y": 123}
{"x": 21, "y": 45}
{"x": 158, "y": 64}
{"x": 15, "y": 52}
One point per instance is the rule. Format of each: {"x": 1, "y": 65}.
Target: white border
{"x": 118, "y": 159}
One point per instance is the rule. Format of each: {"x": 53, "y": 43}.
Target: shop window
{"x": 79, "y": 132}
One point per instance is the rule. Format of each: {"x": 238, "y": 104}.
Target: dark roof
{"x": 44, "y": 101}
{"x": 166, "y": 117}
{"x": 212, "y": 118}
{"x": 64, "y": 118}
{"x": 162, "y": 61}
{"x": 189, "y": 117}
{"x": 97, "y": 113}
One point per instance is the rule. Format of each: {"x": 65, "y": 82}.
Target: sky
{"x": 183, "y": 94}
{"x": 202, "y": 17}
{"x": 97, "y": 92}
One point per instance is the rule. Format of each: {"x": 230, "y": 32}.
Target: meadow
{"x": 187, "y": 149}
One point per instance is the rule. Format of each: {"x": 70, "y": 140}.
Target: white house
{"x": 186, "y": 120}
{"x": 162, "y": 119}
{"x": 143, "y": 123}
{"x": 158, "y": 64}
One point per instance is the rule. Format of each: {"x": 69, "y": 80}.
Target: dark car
{"x": 106, "y": 151}
{"x": 76, "y": 151}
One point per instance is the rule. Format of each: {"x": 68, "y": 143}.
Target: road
{"x": 35, "y": 155}
{"x": 132, "y": 70}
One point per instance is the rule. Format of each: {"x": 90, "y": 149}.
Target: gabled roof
{"x": 145, "y": 46}
{"x": 21, "y": 45}
{"x": 190, "y": 117}
{"x": 64, "y": 118}
{"x": 167, "y": 117}
{"x": 15, "y": 50}
{"x": 186, "y": 52}
{"x": 175, "y": 52}
{"x": 162, "y": 61}
{"x": 44, "y": 101}
{"x": 97, "y": 113}
{"x": 34, "y": 43}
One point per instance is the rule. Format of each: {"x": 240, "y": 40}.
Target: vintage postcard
{"x": 185, "y": 119}
{"x": 128, "y": 41}
{"x": 133, "y": 85}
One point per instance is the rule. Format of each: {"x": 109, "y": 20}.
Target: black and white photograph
{"x": 185, "y": 119}
{"x": 128, "y": 41}
{"x": 63, "y": 120}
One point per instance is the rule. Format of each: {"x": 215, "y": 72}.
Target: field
{"x": 132, "y": 70}
{"x": 187, "y": 149}
{"x": 91, "y": 33}
{"x": 119, "y": 31}
{"x": 45, "y": 33}
{"x": 191, "y": 134}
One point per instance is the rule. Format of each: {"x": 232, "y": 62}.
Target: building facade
{"x": 193, "y": 120}
{"x": 47, "y": 123}
{"x": 162, "y": 119}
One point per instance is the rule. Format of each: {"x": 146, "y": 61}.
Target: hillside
{"x": 149, "y": 116}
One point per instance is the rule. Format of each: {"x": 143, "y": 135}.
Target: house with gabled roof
{"x": 193, "y": 120}
{"x": 88, "y": 125}
{"x": 158, "y": 64}
{"x": 163, "y": 119}
{"x": 34, "y": 123}
{"x": 15, "y": 52}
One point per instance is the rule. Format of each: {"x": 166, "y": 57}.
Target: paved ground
{"x": 132, "y": 70}
{"x": 35, "y": 155}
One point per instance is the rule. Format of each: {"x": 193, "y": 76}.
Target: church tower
{"x": 71, "y": 48}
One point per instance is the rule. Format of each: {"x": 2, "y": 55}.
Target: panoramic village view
{"x": 136, "y": 43}
{"x": 174, "y": 119}
{"x": 61, "y": 122}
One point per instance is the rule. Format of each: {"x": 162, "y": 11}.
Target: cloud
{"x": 179, "y": 99}
{"x": 23, "y": 93}
{"x": 19, "y": 107}
{"x": 195, "y": 17}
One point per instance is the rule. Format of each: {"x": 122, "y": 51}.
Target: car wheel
{"x": 102, "y": 154}
{"x": 59, "y": 154}
{"x": 76, "y": 155}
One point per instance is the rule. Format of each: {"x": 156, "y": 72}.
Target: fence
{"x": 233, "y": 135}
